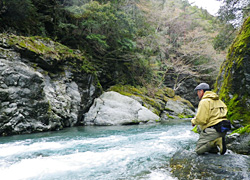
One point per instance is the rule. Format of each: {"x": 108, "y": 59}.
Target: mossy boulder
{"x": 162, "y": 102}
{"x": 233, "y": 82}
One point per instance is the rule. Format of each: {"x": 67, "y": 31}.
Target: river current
{"x": 134, "y": 152}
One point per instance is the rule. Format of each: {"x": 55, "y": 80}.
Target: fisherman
{"x": 211, "y": 121}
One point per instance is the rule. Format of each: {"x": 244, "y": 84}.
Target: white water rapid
{"x": 95, "y": 153}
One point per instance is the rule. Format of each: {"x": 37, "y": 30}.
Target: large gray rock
{"x": 239, "y": 143}
{"x": 112, "y": 108}
{"x": 188, "y": 165}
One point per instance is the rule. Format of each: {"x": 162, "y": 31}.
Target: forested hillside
{"x": 151, "y": 43}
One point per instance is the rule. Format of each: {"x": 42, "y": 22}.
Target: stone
{"x": 239, "y": 143}
{"x": 187, "y": 165}
{"x": 112, "y": 108}
{"x": 178, "y": 107}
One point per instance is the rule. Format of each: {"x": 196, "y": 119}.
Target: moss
{"x": 231, "y": 84}
{"x": 156, "y": 105}
{"x": 45, "y": 48}
{"x": 154, "y": 101}
{"x": 183, "y": 116}
{"x": 165, "y": 92}
{"x": 127, "y": 90}
{"x": 171, "y": 117}
{"x": 178, "y": 98}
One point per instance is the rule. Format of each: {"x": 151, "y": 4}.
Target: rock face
{"x": 39, "y": 92}
{"x": 186, "y": 88}
{"x": 187, "y": 165}
{"x": 112, "y": 108}
{"x": 46, "y": 86}
{"x": 187, "y": 85}
{"x": 233, "y": 82}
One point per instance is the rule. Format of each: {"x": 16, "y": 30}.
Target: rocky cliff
{"x": 45, "y": 86}
{"x": 233, "y": 82}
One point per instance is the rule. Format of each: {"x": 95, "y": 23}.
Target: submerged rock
{"x": 112, "y": 108}
{"x": 188, "y": 165}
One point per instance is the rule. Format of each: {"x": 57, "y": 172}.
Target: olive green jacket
{"x": 211, "y": 110}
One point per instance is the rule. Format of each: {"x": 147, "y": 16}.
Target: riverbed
{"x": 132, "y": 152}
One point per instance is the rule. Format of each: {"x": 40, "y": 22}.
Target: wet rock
{"x": 239, "y": 143}
{"x": 112, "y": 108}
{"x": 188, "y": 165}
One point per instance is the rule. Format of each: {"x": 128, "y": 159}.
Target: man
{"x": 211, "y": 112}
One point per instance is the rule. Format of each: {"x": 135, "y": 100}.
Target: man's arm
{"x": 202, "y": 113}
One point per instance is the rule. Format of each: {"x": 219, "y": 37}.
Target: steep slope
{"x": 233, "y": 82}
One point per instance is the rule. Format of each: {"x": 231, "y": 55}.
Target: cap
{"x": 203, "y": 86}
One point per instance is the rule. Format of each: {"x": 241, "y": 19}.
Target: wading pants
{"x": 206, "y": 136}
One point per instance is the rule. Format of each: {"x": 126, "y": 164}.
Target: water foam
{"x": 130, "y": 154}
{"x": 37, "y": 167}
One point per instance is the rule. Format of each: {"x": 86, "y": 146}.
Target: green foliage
{"x": 242, "y": 130}
{"x": 104, "y": 27}
{"x": 118, "y": 36}
{"x": 18, "y": 15}
{"x": 225, "y": 37}
{"x": 98, "y": 39}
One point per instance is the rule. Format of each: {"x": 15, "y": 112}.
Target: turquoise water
{"x": 96, "y": 153}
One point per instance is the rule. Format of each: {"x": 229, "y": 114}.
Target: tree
{"x": 231, "y": 14}
{"x": 18, "y": 15}
{"x": 234, "y": 11}
{"x": 225, "y": 37}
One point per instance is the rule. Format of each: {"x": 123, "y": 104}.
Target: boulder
{"x": 188, "y": 165}
{"x": 176, "y": 109}
{"x": 239, "y": 143}
{"x": 161, "y": 101}
{"x": 112, "y": 108}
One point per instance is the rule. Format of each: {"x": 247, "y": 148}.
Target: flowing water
{"x": 96, "y": 153}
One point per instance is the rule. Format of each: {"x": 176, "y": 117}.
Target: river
{"x": 96, "y": 153}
